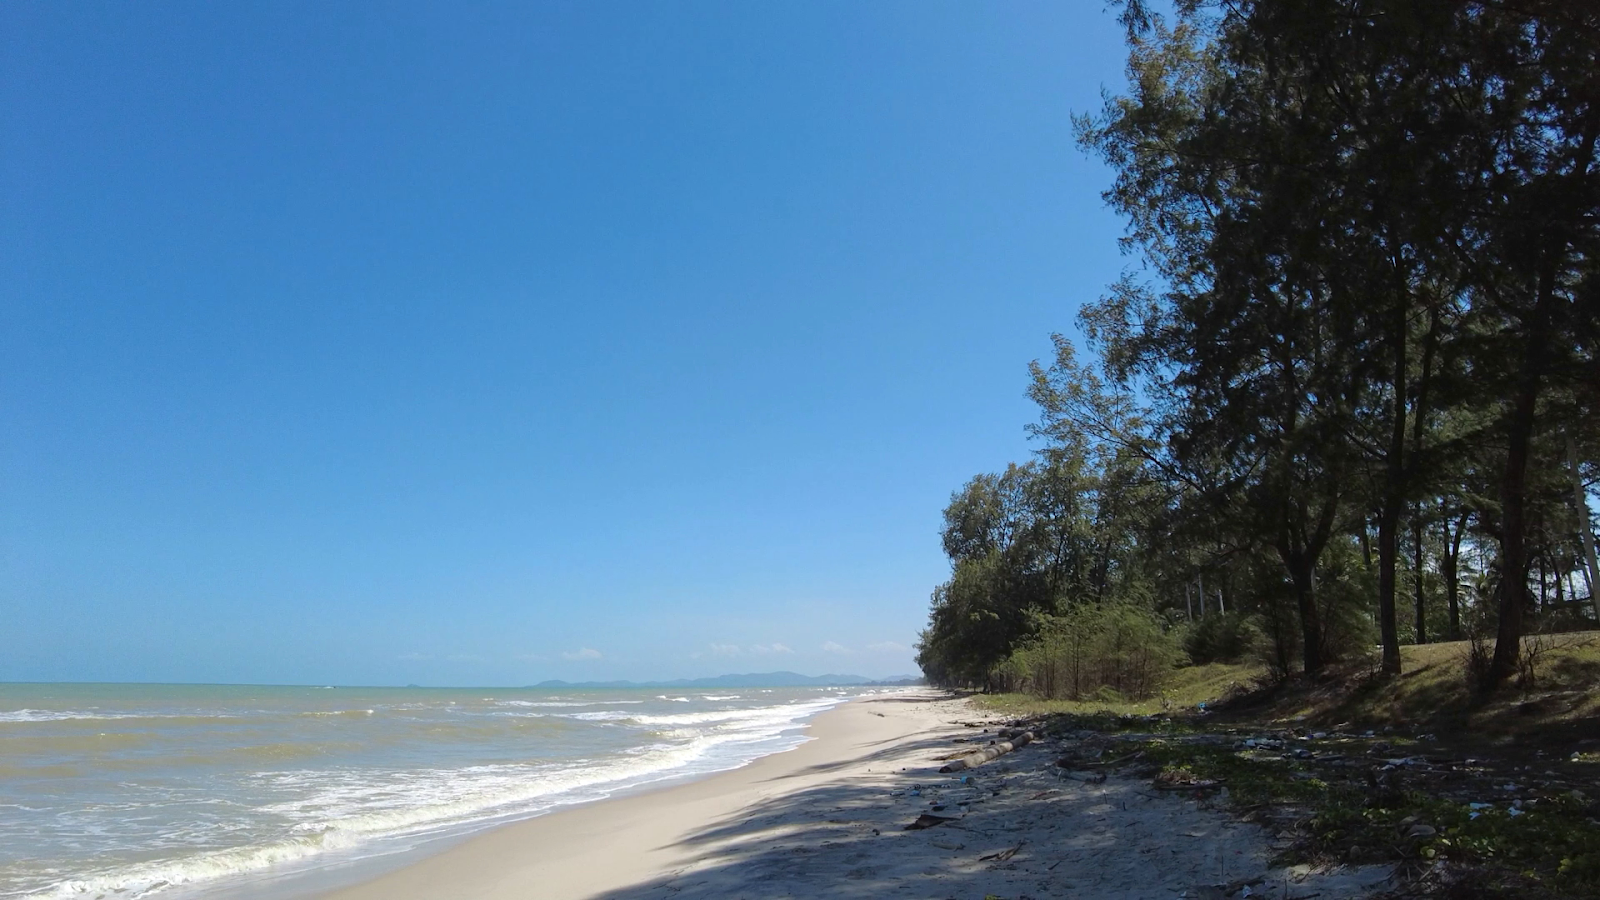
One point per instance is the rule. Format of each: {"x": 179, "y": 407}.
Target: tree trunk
{"x": 1451, "y": 565}
{"x": 1514, "y": 491}
{"x": 1388, "y": 540}
{"x": 1585, "y": 533}
{"x": 1416, "y": 577}
{"x": 1419, "y": 430}
{"x": 1544, "y": 585}
{"x": 1300, "y": 573}
{"x": 1393, "y": 498}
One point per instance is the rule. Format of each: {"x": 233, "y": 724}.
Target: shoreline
{"x": 828, "y": 819}
{"x": 345, "y": 870}
{"x": 587, "y": 849}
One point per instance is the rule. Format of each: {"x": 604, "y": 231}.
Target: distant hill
{"x": 754, "y": 679}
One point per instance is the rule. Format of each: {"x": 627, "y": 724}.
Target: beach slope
{"x": 828, "y": 818}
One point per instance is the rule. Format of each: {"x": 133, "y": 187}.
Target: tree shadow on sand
{"x": 1021, "y": 829}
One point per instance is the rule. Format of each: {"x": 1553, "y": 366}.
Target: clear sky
{"x": 483, "y": 344}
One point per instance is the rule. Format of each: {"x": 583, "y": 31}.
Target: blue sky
{"x": 483, "y": 344}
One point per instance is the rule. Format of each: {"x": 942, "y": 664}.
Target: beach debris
{"x": 980, "y": 757}
{"x": 1002, "y": 855}
{"x": 1174, "y": 779}
{"x": 947, "y": 845}
{"x": 928, "y": 820}
{"x": 1240, "y": 888}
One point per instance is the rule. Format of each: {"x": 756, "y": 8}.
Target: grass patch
{"x": 1545, "y": 843}
{"x": 1473, "y": 798}
{"x": 1554, "y": 698}
{"x": 1184, "y": 689}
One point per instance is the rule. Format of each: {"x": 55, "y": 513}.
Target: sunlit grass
{"x": 1185, "y": 689}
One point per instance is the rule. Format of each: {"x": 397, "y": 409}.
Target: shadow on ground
{"x": 1021, "y": 829}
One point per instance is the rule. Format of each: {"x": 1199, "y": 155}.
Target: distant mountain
{"x": 754, "y": 679}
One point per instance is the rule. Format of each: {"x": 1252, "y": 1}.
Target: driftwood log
{"x": 979, "y": 757}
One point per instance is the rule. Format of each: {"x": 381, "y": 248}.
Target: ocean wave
{"x": 348, "y": 811}
{"x": 70, "y": 715}
{"x": 540, "y": 704}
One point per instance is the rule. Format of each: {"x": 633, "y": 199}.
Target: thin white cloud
{"x": 832, "y": 647}
{"x": 726, "y": 650}
{"x": 764, "y": 649}
{"x": 413, "y": 657}
{"x": 464, "y": 657}
{"x": 532, "y": 657}
{"x": 582, "y": 653}
{"x": 887, "y": 647}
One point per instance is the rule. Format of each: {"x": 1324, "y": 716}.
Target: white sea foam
{"x": 354, "y": 811}
{"x": 540, "y": 704}
{"x": 70, "y": 715}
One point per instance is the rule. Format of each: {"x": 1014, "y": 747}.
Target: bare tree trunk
{"x": 1585, "y": 533}
{"x": 1393, "y": 499}
{"x": 1451, "y": 565}
{"x": 1388, "y": 539}
{"x": 1300, "y": 573}
{"x": 1416, "y": 577}
{"x": 1419, "y": 431}
{"x": 1514, "y": 491}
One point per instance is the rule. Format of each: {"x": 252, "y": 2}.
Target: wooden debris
{"x": 1003, "y": 855}
{"x": 978, "y": 758}
{"x": 927, "y": 820}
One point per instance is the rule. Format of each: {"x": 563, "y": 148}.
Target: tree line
{"x": 1348, "y": 395}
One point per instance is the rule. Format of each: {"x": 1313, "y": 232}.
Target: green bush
{"x": 1221, "y": 637}
{"x": 1093, "y": 651}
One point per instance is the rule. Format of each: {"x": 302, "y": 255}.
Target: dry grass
{"x": 1433, "y": 690}
{"x": 1185, "y": 689}
{"x": 1432, "y": 693}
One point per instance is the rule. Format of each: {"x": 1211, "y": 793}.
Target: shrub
{"x": 1093, "y": 650}
{"x": 1221, "y": 637}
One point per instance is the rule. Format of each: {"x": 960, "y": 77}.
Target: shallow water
{"x": 172, "y": 790}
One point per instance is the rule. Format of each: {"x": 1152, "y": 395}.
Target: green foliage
{"x": 1222, "y": 637}
{"x": 1354, "y": 369}
{"x": 1107, "y": 653}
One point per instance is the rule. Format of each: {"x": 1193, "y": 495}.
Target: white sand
{"x": 826, "y": 820}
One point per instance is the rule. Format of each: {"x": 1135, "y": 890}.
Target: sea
{"x": 179, "y": 791}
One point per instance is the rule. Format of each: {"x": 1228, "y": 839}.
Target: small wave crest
{"x": 72, "y": 715}
{"x": 355, "y": 811}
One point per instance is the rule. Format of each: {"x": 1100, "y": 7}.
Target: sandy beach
{"x": 828, "y": 820}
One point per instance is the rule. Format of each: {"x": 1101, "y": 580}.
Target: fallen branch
{"x": 978, "y": 758}
{"x": 1003, "y": 855}
{"x": 1118, "y": 761}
